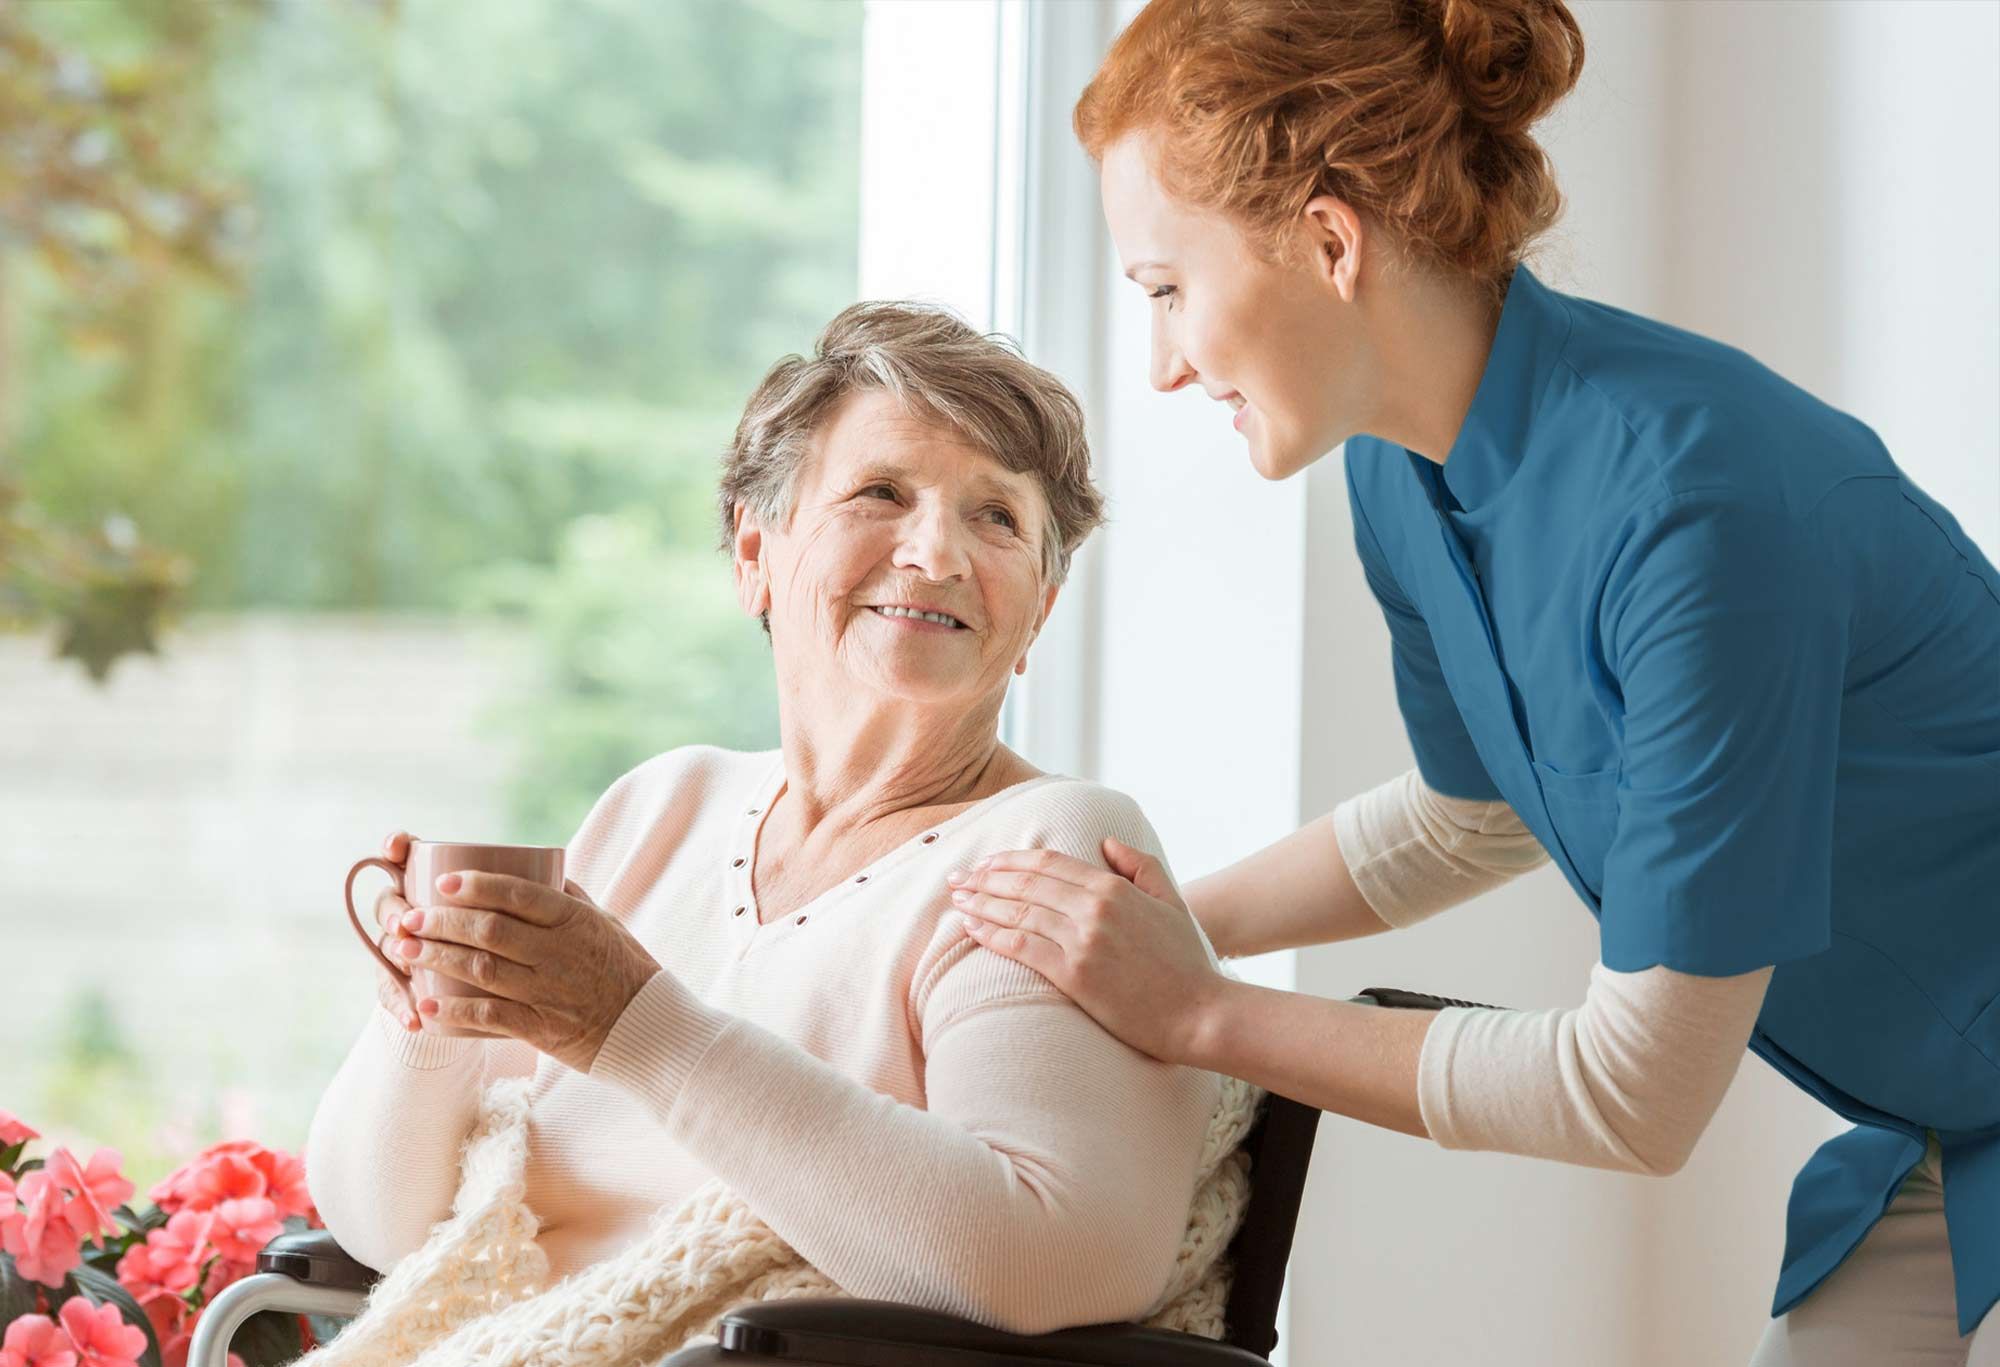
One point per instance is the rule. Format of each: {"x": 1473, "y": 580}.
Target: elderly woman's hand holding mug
{"x": 558, "y": 970}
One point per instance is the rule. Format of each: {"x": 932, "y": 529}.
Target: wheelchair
{"x": 309, "y": 1273}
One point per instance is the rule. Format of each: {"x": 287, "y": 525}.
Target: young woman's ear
{"x": 753, "y": 585}
{"x": 1334, "y": 233}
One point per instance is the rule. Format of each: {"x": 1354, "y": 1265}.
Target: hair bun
{"x": 1511, "y": 59}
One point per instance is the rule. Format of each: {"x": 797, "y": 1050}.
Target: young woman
{"x": 1655, "y": 611}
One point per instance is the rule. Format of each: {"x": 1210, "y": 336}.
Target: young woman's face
{"x": 1274, "y": 341}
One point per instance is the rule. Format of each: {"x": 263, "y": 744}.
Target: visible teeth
{"x": 937, "y": 617}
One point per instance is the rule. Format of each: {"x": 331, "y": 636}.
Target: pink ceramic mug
{"x": 426, "y": 862}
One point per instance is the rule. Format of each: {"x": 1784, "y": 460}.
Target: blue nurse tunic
{"x": 1741, "y": 677}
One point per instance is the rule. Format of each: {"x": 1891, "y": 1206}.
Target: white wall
{"x": 1819, "y": 184}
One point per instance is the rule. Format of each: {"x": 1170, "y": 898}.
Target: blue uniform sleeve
{"x": 1445, "y": 754}
{"x": 1727, "y": 636}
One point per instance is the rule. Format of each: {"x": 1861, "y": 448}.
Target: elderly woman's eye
{"x": 1004, "y": 518}
{"x": 888, "y": 489}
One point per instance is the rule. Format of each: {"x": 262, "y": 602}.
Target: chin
{"x": 1274, "y": 460}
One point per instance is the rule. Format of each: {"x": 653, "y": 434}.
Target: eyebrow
{"x": 1132, "y": 271}
{"x": 986, "y": 484}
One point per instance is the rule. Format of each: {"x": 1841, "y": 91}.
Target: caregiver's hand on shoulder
{"x": 562, "y": 971}
{"x": 1118, "y": 943}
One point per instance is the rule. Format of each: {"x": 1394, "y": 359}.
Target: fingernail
{"x": 428, "y": 1006}
{"x": 962, "y": 896}
{"x": 982, "y": 863}
{"x": 447, "y": 883}
{"x": 409, "y": 949}
{"x": 414, "y": 921}
{"x": 955, "y": 877}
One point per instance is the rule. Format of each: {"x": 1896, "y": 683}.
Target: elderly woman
{"x": 757, "y": 973}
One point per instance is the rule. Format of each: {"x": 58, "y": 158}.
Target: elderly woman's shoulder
{"x": 693, "y": 776}
{"x": 1074, "y": 815}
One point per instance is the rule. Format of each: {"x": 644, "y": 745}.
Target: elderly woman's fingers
{"x": 389, "y": 910}
{"x": 535, "y": 903}
{"x": 1038, "y": 952}
{"x": 492, "y": 1016}
{"x": 480, "y": 967}
{"x": 474, "y": 928}
{"x": 397, "y": 847}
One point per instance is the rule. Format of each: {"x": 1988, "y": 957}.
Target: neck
{"x": 849, "y": 767}
{"x": 1432, "y": 345}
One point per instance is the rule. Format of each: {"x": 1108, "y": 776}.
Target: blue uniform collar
{"x": 1534, "y": 326}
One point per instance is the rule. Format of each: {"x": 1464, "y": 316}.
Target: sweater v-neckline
{"x": 743, "y": 910}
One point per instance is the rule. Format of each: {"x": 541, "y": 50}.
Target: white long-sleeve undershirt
{"x": 1628, "y": 1080}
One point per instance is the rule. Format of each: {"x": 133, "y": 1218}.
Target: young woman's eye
{"x": 1162, "y": 291}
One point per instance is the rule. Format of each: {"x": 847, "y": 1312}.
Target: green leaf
{"x": 101, "y": 1289}
{"x": 17, "y": 1293}
{"x": 27, "y": 1167}
{"x": 142, "y": 1225}
{"x": 11, "y": 1155}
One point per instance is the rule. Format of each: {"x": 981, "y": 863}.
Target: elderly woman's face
{"x": 895, "y": 516}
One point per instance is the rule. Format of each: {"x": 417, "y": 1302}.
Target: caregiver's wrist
{"x": 1210, "y": 1020}
{"x": 1206, "y": 903}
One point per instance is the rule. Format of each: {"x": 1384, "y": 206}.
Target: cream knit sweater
{"x": 921, "y": 1120}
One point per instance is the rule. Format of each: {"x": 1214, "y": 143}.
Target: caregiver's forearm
{"x": 1292, "y": 893}
{"x": 1356, "y": 1061}
{"x": 1385, "y": 858}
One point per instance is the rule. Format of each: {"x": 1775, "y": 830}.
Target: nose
{"x": 933, "y": 543}
{"x": 1170, "y": 370}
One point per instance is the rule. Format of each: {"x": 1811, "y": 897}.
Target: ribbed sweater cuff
{"x": 1364, "y": 863}
{"x": 1435, "y": 1101}
{"x": 656, "y": 1043}
{"x": 420, "y": 1049}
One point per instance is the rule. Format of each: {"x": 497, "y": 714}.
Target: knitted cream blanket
{"x": 476, "y": 1293}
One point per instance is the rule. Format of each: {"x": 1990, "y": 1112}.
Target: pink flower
{"x": 97, "y": 1189}
{"x": 101, "y": 1336}
{"x": 167, "y": 1313}
{"x": 44, "y": 1244}
{"x": 171, "y": 1258}
{"x": 244, "y": 1226}
{"x": 34, "y": 1341}
{"x": 233, "y": 1169}
{"x": 13, "y": 1131}
{"x": 10, "y": 1219}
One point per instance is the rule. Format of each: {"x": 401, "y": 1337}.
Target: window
{"x": 411, "y": 331}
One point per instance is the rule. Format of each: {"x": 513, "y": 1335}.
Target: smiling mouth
{"x": 942, "y": 619}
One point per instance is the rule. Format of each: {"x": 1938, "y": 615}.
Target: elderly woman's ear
{"x": 753, "y": 585}
{"x": 1048, "y": 606}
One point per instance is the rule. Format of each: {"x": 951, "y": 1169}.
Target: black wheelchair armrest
{"x": 859, "y": 1333}
{"x": 312, "y": 1257}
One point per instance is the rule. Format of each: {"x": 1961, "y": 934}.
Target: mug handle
{"x": 395, "y": 872}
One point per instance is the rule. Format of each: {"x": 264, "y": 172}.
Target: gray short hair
{"x": 942, "y": 370}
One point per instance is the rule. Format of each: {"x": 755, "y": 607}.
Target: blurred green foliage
{"x": 458, "y": 306}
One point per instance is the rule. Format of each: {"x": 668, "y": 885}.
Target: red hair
{"x": 1413, "y": 111}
